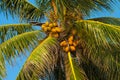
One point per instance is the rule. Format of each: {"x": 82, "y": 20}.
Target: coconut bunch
{"x": 52, "y": 29}
{"x": 69, "y": 45}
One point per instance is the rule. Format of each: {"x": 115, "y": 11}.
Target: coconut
{"x": 70, "y": 38}
{"x": 55, "y": 24}
{"x": 53, "y": 30}
{"x": 47, "y": 23}
{"x": 56, "y": 35}
{"x": 43, "y": 26}
{"x": 70, "y": 42}
{"x": 51, "y": 25}
{"x": 45, "y": 29}
{"x": 63, "y": 43}
{"x": 72, "y": 48}
{"x": 58, "y": 29}
{"x": 49, "y": 28}
{"x": 74, "y": 44}
{"x": 66, "y": 49}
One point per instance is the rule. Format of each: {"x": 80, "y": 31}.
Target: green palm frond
{"x": 73, "y": 70}
{"x": 94, "y": 72}
{"x": 43, "y": 4}
{"x": 83, "y": 6}
{"x": 10, "y": 30}
{"x": 100, "y": 42}
{"x": 110, "y": 64}
{"x": 22, "y": 8}
{"x": 98, "y": 37}
{"x": 97, "y": 34}
{"x": 108, "y": 67}
{"x": 18, "y": 44}
{"x": 2, "y": 66}
{"x": 41, "y": 61}
{"x": 108, "y": 20}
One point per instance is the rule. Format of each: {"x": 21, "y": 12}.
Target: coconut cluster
{"x": 69, "y": 44}
{"x": 52, "y": 29}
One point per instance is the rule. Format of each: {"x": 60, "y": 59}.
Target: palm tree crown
{"x": 68, "y": 46}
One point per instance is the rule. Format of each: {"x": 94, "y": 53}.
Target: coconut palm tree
{"x": 68, "y": 46}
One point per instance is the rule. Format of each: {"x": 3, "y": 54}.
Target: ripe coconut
{"x": 63, "y": 43}
{"x": 53, "y": 30}
{"x": 74, "y": 44}
{"x": 56, "y": 35}
{"x": 51, "y": 25}
{"x": 49, "y": 28}
{"x": 43, "y": 26}
{"x": 66, "y": 49}
{"x": 72, "y": 48}
{"x": 47, "y": 23}
{"x": 55, "y": 24}
{"x": 70, "y": 42}
{"x": 45, "y": 29}
{"x": 58, "y": 29}
{"x": 70, "y": 38}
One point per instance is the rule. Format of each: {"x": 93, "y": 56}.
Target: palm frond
{"x": 106, "y": 66}
{"x": 108, "y": 20}
{"x": 41, "y": 61}
{"x": 2, "y": 66}
{"x": 84, "y": 6}
{"x": 10, "y": 30}
{"x": 94, "y": 72}
{"x": 22, "y": 8}
{"x": 73, "y": 70}
{"x": 100, "y": 42}
{"x": 43, "y": 4}
{"x": 99, "y": 34}
{"x": 18, "y": 44}
{"x": 97, "y": 37}
{"x": 71, "y": 65}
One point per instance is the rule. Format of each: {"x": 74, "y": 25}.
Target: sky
{"x": 12, "y": 71}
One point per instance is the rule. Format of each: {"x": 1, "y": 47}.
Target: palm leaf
{"x": 100, "y": 42}
{"x": 72, "y": 68}
{"x": 83, "y": 6}
{"x": 16, "y": 45}
{"x": 73, "y": 71}
{"x": 107, "y": 69}
{"x": 41, "y": 61}
{"x": 22, "y": 8}
{"x": 98, "y": 37}
{"x": 10, "y": 30}
{"x": 108, "y": 20}
{"x": 2, "y": 66}
{"x": 99, "y": 34}
{"x": 43, "y": 4}
{"x": 94, "y": 72}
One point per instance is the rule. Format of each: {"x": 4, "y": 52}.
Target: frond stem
{"x": 71, "y": 64}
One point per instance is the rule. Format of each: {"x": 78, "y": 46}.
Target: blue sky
{"x": 12, "y": 71}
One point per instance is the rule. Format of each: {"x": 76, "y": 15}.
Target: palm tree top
{"x": 67, "y": 46}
